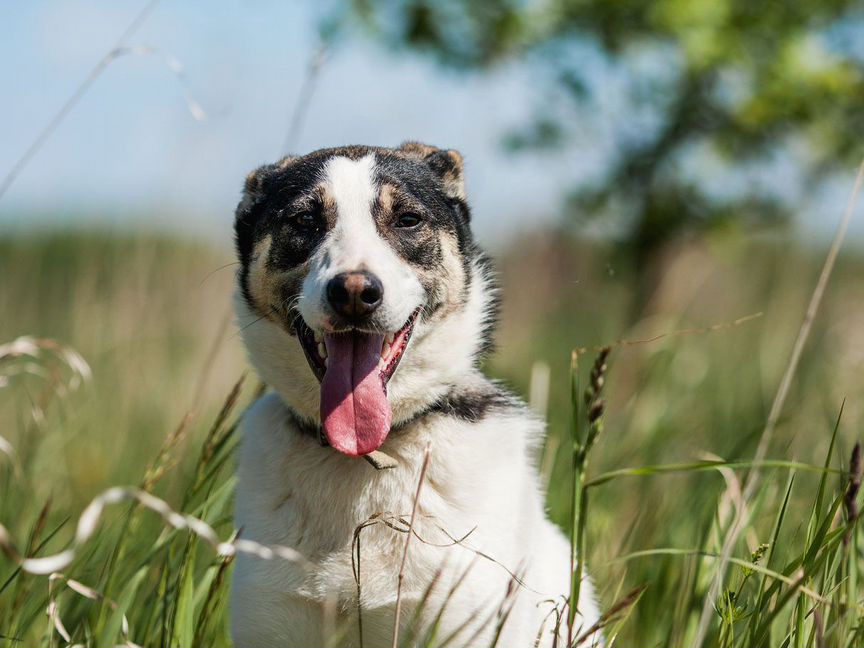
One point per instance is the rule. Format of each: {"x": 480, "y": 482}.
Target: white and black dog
{"x": 366, "y": 306}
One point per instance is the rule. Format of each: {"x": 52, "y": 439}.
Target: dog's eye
{"x": 305, "y": 220}
{"x": 408, "y": 220}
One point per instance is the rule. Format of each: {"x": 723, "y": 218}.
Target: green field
{"x": 151, "y": 317}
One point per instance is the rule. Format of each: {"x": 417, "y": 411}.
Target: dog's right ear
{"x": 254, "y": 189}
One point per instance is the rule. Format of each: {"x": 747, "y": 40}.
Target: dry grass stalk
{"x": 90, "y": 593}
{"x": 212, "y": 599}
{"x": 76, "y": 96}
{"x": 212, "y": 440}
{"x": 163, "y": 462}
{"x": 611, "y": 615}
{"x": 89, "y": 520}
{"x": 778, "y": 404}
{"x": 679, "y": 333}
{"x": 210, "y": 358}
{"x": 304, "y": 96}
{"x": 399, "y": 579}
{"x": 819, "y": 627}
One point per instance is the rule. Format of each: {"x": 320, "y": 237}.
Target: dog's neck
{"x": 468, "y": 400}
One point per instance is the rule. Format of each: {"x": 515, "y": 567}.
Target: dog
{"x": 366, "y": 307}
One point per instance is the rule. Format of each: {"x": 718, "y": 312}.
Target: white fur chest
{"x": 479, "y": 513}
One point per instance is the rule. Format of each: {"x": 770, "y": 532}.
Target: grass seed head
{"x": 593, "y": 393}
{"x": 759, "y": 553}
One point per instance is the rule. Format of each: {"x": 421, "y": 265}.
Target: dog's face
{"x": 361, "y": 294}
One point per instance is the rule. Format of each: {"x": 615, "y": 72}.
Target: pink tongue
{"x": 355, "y": 412}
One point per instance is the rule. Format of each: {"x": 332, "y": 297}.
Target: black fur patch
{"x": 474, "y": 406}
{"x": 493, "y": 305}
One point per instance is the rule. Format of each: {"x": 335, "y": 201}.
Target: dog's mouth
{"x": 354, "y": 367}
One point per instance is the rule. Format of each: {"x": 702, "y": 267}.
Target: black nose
{"x": 355, "y": 295}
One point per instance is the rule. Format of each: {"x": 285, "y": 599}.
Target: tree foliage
{"x": 712, "y": 93}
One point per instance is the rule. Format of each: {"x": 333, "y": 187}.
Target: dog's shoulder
{"x": 265, "y": 423}
{"x": 268, "y": 410}
{"x": 270, "y": 435}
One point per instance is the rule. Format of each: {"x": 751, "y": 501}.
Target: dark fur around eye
{"x": 407, "y": 220}
{"x": 306, "y": 220}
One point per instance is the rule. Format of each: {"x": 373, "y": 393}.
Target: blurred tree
{"x": 699, "y": 89}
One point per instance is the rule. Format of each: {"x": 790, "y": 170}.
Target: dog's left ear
{"x": 446, "y": 163}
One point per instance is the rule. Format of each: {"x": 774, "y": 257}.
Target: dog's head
{"x": 361, "y": 296}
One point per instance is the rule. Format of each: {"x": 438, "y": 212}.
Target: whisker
{"x": 273, "y": 311}
{"x": 212, "y": 272}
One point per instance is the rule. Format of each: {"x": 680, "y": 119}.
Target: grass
{"x": 661, "y": 463}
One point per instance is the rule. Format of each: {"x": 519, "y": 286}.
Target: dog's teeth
{"x": 389, "y": 338}
{"x": 318, "y": 337}
{"x": 322, "y": 350}
{"x": 385, "y": 350}
{"x": 326, "y": 361}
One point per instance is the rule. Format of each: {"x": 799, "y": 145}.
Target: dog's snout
{"x": 355, "y": 295}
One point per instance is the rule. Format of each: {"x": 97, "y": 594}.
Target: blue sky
{"x": 132, "y": 152}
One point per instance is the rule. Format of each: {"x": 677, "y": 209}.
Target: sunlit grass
{"x": 681, "y": 419}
